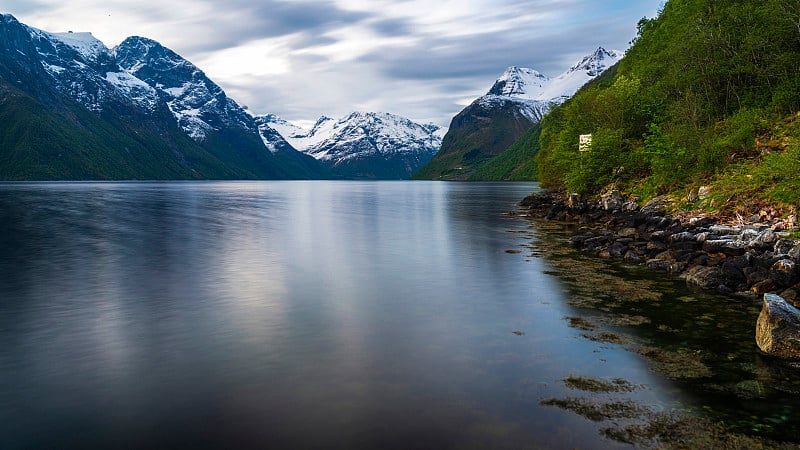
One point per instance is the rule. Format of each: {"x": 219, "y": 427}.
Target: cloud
{"x": 23, "y": 6}
{"x": 305, "y": 58}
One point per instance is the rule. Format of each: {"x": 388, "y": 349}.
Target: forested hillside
{"x": 517, "y": 163}
{"x": 707, "y": 95}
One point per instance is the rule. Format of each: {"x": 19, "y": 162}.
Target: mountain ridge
{"x": 396, "y": 146}
{"x": 517, "y": 100}
{"x": 206, "y": 135}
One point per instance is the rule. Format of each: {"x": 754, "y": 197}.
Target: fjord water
{"x": 285, "y": 315}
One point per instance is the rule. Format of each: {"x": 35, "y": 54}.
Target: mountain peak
{"x": 143, "y": 43}
{"x": 199, "y": 105}
{"x": 594, "y": 64}
{"x": 155, "y": 55}
{"x": 538, "y": 92}
{"x": 518, "y": 82}
{"x": 320, "y": 123}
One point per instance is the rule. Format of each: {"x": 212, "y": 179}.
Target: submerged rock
{"x": 778, "y": 328}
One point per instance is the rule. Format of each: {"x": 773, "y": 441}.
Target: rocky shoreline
{"x": 737, "y": 259}
{"x": 747, "y": 259}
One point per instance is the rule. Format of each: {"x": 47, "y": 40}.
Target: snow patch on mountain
{"x": 288, "y": 130}
{"x": 53, "y": 69}
{"x": 139, "y": 92}
{"x": 84, "y": 43}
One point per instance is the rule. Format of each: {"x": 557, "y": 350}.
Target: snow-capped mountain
{"x": 517, "y": 100}
{"x": 152, "y": 99}
{"x": 84, "y": 69}
{"x": 199, "y": 105}
{"x": 363, "y": 144}
{"x": 300, "y": 138}
{"x": 537, "y": 93}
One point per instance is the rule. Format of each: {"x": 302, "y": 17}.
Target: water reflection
{"x": 284, "y": 314}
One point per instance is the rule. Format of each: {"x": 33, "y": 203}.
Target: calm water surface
{"x": 286, "y": 315}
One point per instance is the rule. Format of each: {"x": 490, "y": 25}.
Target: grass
{"x": 771, "y": 178}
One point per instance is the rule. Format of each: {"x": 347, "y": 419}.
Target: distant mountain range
{"x": 363, "y": 144}
{"x": 71, "y": 108}
{"x": 512, "y": 106}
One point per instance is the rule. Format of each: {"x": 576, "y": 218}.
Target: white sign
{"x": 585, "y": 143}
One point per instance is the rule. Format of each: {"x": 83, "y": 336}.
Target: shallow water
{"x": 708, "y": 340}
{"x": 290, "y": 315}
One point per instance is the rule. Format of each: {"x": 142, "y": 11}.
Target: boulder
{"x": 703, "y": 192}
{"x": 631, "y": 256}
{"x": 755, "y": 275}
{"x": 611, "y": 200}
{"x": 784, "y": 272}
{"x": 784, "y": 246}
{"x": 575, "y": 202}
{"x": 764, "y": 240}
{"x": 630, "y": 206}
{"x": 728, "y": 246}
{"x": 617, "y": 249}
{"x": 656, "y": 206}
{"x": 685, "y": 236}
{"x": 778, "y": 328}
{"x": 704, "y": 277}
{"x": 724, "y": 230}
{"x": 658, "y": 264}
{"x": 706, "y": 236}
{"x": 580, "y": 239}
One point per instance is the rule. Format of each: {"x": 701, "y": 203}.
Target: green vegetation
{"x": 65, "y": 141}
{"x": 707, "y": 94}
{"x": 38, "y": 142}
{"x": 591, "y": 384}
{"x": 476, "y": 136}
{"x": 771, "y": 177}
{"x": 517, "y": 163}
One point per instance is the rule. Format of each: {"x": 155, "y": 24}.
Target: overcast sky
{"x": 300, "y": 59}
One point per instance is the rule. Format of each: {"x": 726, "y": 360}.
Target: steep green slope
{"x": 67, "y": 142}
{"x": 517, "y": 163}
{"x": 38, "y": 142}
{"x": 687, "y": 103}
{"x": 476, "y": 135}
